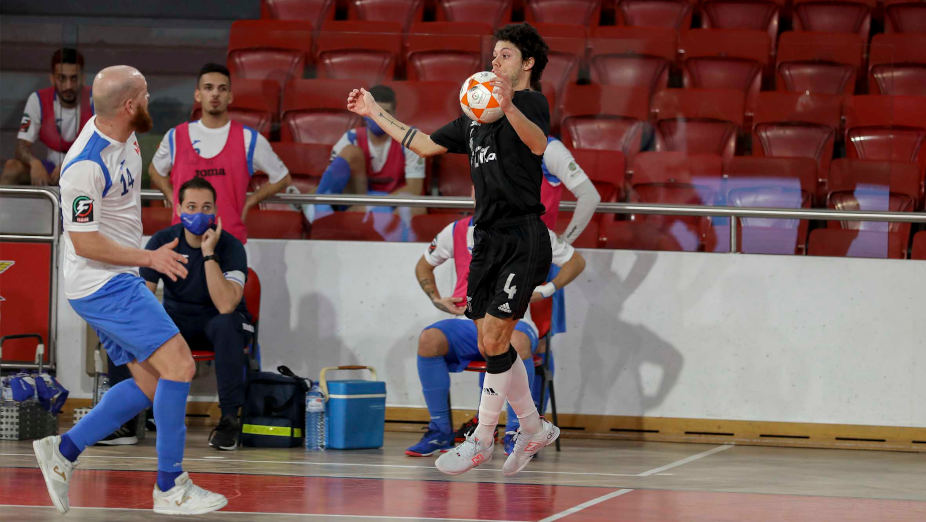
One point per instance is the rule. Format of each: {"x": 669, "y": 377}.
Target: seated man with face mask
{"x": 367, "y": 161}
{"x": 207, "y": 304}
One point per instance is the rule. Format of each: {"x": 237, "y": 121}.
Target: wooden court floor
{"x": 588, "y": 480}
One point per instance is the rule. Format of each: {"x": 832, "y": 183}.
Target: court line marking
{"x": 334, "y": 464}
{"x": 268, "y": 513}
{"x": 590, "y": 503}
{"x": 686, "y": 460}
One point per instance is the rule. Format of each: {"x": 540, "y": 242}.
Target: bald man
{"x": 100, "y": 198}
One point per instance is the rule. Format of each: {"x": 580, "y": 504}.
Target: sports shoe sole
{"x": 462, "y": 471}
{"x": 41, "y": 455}
{"x": 224, "y": 448}
{"x": 528, "y": 461}
{"x": 121, "y": 441}
{"x": 200, "y": 511}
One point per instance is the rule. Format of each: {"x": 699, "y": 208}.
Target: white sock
{"x": 519, "y": 396}
{"x": 491, "y": 404}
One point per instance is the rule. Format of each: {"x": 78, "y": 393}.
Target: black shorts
{"x": 510, "y": 259}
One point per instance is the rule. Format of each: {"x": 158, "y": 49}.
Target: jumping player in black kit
{"x": 512, "y": 252}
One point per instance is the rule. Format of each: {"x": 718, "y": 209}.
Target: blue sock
{"x": 170, "y": 416}
{"x": 435, "y": 384}
{"x": 513, "y": 423}
{"x": 121, "y": 403}
{"x": 333, "y": 181}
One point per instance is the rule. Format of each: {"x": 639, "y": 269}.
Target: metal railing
{"x": 606, "y": 208}
{"x": 51, "y": 194}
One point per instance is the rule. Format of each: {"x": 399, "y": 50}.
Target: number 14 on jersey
{"x": 126, "y": 184}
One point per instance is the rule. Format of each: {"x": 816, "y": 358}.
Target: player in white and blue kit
{"x": 101, "y": 204}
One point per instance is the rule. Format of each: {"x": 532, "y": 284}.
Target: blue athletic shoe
{"x": 432, "y": 441}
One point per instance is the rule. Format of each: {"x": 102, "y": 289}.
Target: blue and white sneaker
{"x": 432, "y": 441}
{"x": 509, "y": 441}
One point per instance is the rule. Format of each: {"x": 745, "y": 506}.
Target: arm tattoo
{"x": 409, "y": 136}
{"x": 428, "y": 286}
{"x": 392, "y": 121}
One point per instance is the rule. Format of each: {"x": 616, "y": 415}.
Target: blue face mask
{"x": 373, "y": 127}
{"x": 197, "y": 223}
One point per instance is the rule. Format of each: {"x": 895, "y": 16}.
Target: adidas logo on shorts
{"x": 505, "y": 308}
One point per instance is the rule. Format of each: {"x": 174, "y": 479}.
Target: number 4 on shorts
{"x": 510, "y": 290}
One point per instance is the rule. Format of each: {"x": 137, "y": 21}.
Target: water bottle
{"x": 314, "y": 419}
{"x": 102, "y": 388}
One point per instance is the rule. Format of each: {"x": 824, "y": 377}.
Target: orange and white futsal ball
{"x": 477, "y": 99}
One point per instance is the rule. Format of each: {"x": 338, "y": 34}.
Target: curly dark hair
{"x": 526, "y": 38}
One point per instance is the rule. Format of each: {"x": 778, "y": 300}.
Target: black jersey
{"x": 505, "y": 173}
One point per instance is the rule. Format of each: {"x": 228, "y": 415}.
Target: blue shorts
{"x": 463, "y": 345}
{"x": 129, "y": 320}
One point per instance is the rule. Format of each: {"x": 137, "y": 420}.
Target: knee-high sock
{"x": 520, "y": 400}
{"x": 513, "y": 422}
{"x": 494, "y": 392}
{"x": 122, "y": 402}
{"x": 170, "y": 416}
{"x": 333, "y": 181}
{"x": 435, "y": 384}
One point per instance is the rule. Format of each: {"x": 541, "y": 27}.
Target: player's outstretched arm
{"x": 361, "y": 102}
{"x": 424, "y": 272}
{"x": 98, "y": 247}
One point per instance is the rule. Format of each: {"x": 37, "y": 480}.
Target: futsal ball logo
{"x": 477, "y": 100}
{"x": 83, "y": 209}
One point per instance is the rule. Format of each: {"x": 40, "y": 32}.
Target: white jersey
{"x": 414, "y": 164}
{"x": 67, "y": 119}
{"x": 209, "y": 143}
{"x": 559, "y": 166}
{"x": 441, "y": 249}
{"x": 100, "y": 191}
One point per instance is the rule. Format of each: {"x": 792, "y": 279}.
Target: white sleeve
{"x": 562, "y": 251}
{"x": 414, "y": 165}
{"x": 163, "y": 159}
{"x": 348, "y": 138}
{"x": 441, "y": 247}
{"x": 31, "y": 123}
{"x": 235, "y": 276}
{"x": 81, "y": 196}
{"x": 560, "y": 163}
{"x": 265, "y": 160}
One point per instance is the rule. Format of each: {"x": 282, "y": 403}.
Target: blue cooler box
{"x": 355, "y": 410}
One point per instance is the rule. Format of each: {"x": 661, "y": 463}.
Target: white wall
{"x": 666, "y": 334}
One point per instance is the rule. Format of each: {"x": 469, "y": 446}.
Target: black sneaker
{"x": 124, "y": 436}
{"x": 468, "y": 428}
{"x": 225, "y": 435}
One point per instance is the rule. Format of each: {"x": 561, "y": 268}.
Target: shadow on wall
{"x": 619, "y": 359}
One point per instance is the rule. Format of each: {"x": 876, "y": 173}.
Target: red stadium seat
{"x": 492, "y": 12}
{"x": 747, "y": 172}
{"x": 698, "y": 121}
{"x": 833, "y": 16}
{"x": 306, "y": 160}
{"x": 797, "y": 125}
{"x": 404, "y": 12}
{"x": 605, "y": 117}
{"x": 352, "y": 226}
{"x": 426, "y": 105}
{"x": 275, "y": 224}
{"x": 631, "y": 235}
{"x": 904, "y": 16}
{"x": 876, "y": 199}
{"x": 566, "y": 58}
{"x": 367, "y": 51}
{"x": 856, "y": 243}
{"x": 675, "y": 167}
{"x": 315, "y": 111}
{"x": 891, "y": 128}
{"x": 315, "y": 11}
{"x": 255, "y": 103}
{"x": 897, "y": 64}
{"x": 821, "y": 63}
{"x": 674, "y": 14}
{"x": 919, "y": 246}
{"x": 269, "y": 49}
{"x": 425, "y": 227}
{"x": 605, "y": 169}
{"x": 632, "y": 56}
{"x": 155, "y": 218}
{"x": 453, "y": 176}
{"x": 589, "y": 237}
{"x": 574, "y": 12}
{"x": 757, "y": 15}
{"x": 884, "y": 177}
{"x": 725, "y": 59}
{"x": 445, "y": 51}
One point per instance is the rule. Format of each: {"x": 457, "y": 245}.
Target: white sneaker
{"x": 465, "y": 457}
{"x": 56, "y": 469}
{"x": 525, "y": 446}
{"x": 186, "y": 498}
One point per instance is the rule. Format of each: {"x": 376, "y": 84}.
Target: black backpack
{"x": 274, "y": 409}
